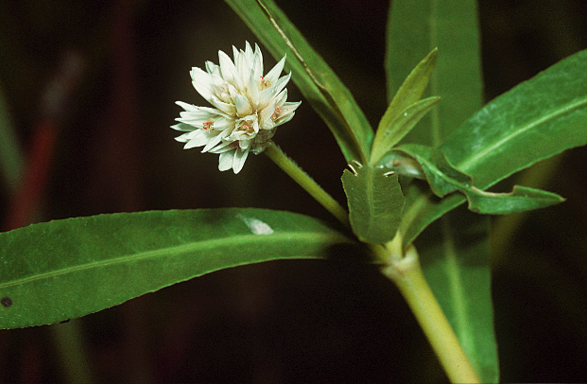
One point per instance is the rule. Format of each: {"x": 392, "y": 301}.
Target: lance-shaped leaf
{"x": 444, "y": 179}
{"x": 68, "y": 268}
{"x": 400, "y": 126}
{"x": 375, "y": 202}
{"x": 315, "y": 79}
{"x": 535, "y": 120}
{"x": 401, "y": 114}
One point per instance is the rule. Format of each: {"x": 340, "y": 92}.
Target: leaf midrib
{"x": 469, "y": 162}
{"x": 178, "y": 250}
{"x": 371, "y": 193}
{"x": 455, "y": 279}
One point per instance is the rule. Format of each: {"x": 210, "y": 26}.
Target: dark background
{"x": 126, "y": 63}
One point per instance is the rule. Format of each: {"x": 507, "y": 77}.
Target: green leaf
{"x": 518, "y": 200}
{"x": 389, "y": 132}
{"x": 68, "y": 268}
{"x": 535, "y": 120}
{"x": 401, "y": 125}
{"x": 444, "y": 179}
{"x": 375, "y": 202}
{"x": 315, "y": 79}
{"x": 455, "y": 261}
{"x": 415, "y": 27}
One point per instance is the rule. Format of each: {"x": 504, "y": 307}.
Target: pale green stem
{"x": 68, "y": 338}
{"x": 305, "y": 181}
{"x": 407, "y": 275}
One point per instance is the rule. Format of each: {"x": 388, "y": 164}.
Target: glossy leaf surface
{"x": 315, "y": 79}
{"x": 68, "y": 268}
{"x": 375, "y": 203}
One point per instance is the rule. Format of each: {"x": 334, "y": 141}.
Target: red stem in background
{"x": 34, "y": 180}
{"x": 31, "y": 190}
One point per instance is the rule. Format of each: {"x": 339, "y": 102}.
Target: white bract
{"x": 248, "y": 107}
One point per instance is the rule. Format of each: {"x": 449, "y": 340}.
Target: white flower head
{"x": 248, "y": 107}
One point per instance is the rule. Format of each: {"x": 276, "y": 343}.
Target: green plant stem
{"x": 305, "y": 181}
{"x": 68, "y": 339}
{"x": 407, "y": 275}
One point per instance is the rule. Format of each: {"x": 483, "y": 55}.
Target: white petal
{"x": 183, "y": 127}
{"x": 274, "y": 73}
{"x": 224, "y": 146}
{"x": 252, "y": 88}
{"x": 214, "y": 141}
{"x": 290, "y": 106}
{"x": 240, "y": 156}
{"x": 240, "y": 62}
{"x": 236, "y": 55}
{"x": 186, "y": 106}
{"x": 227, "y": 108}
{"x": 225, "y": 161}
{"x": 200, "y": 138}
{"x": 243, "y": 107}
{"x": 245, "y": 144}
{"x": 203, "y": 83}
{"x": 265, "y": 97}
{"x": 185, "y": 137}
{"x": 284, "y": 119}
{"x": 280, "y": 98}
{"x": 199, "y": 116}
{"x": 258, "y": 62}
{"x": 223, "y": 123}
{"x": 281, "y": 83}
{"x": 248, "y": 50}
{"x": 266, "y": 113}
{"x": 288, "y": 112}
{"x": 228, "y": 70}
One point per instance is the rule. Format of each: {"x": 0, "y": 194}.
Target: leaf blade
{"x": 443, "y": 179}
{"x": 69, "y": 268}
{"x": 392, "y": 131}
{"x": 375, "y": 203}
{"x": 535, "y": 120}
{"x": 462, "y": 279}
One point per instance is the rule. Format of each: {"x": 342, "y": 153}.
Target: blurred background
{"x": 87, "y": 90}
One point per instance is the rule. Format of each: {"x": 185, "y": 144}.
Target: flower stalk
{"x": 407, "y": 275}
{"x": 306, "y": 182}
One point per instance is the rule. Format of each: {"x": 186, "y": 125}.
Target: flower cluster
{"x": 247, "y": 107}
